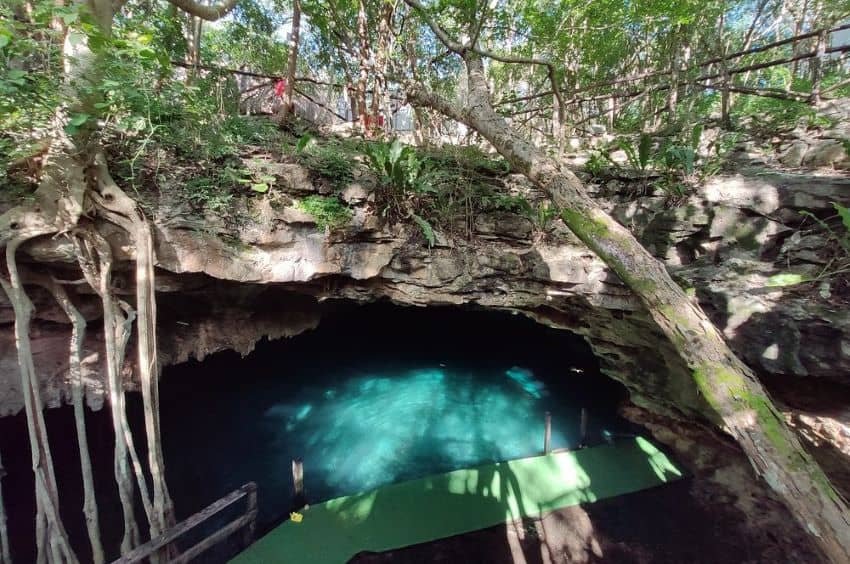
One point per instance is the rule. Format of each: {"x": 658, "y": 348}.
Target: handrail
{"x": 247, "y": 522}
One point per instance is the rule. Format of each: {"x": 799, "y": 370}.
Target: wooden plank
{"x": 143, "y": 551}
{"x": 214, "y": 538}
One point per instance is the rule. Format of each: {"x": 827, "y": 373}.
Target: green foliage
{"x": 540, "y": 214}
{"x": 402, "y": 176}
{"x": 329, "y": 212}
{"x": 596, "y": 165}
{"x": 639, "y": 157}
{"x": 397, "y": 165}
{"x": 426, "y": 228}
{"x": 328, "y": 160}
{"x": 208, "y": 194}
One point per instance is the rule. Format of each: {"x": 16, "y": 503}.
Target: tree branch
{"x": 208, "y": 13}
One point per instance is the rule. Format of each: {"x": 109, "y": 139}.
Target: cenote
{"x": 376, "y": 394}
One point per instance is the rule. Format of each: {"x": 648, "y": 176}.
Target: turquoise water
{"x": 375, "y": 396}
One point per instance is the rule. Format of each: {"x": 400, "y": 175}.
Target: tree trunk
{"x": 817, "y": 67}
{"x": 194, "y": 30}
{"x": 380, "y": 93}
{"x": 735, "y": 400}
{"x": 363, "y": 38}
{"x": 5, "y": 550}
{"x": 294, "y": 40}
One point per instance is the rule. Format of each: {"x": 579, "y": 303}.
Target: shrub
{"x": 329, "y": 212}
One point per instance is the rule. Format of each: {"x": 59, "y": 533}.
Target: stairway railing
{"x": 245, "y": 523}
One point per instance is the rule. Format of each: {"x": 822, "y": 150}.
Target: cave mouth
{"x": 378, "y": 394}
{"x": 375, "y": 394}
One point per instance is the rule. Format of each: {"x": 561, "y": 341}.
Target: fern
{"x": 426, "y": 228}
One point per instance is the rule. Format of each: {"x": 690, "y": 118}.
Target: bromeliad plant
{"x": 402, "y": 178}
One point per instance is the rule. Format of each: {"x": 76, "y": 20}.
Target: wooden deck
{"x": 461, "y": 501}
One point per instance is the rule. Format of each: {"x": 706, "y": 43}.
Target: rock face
{"x": 223, "y": 284}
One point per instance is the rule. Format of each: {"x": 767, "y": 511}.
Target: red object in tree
{"x": 280, "y": 88}
{"x": 380, "y": 121}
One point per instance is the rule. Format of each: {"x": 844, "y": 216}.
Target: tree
{"x": 76, "y": 183}
{"x": 736, "y": 401}
{"x": 286, "y": 105}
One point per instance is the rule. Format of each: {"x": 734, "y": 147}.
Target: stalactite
{"x": 78, "y": 329}
{"x": 50, "y": 530}
{"x": 5, "y": 549}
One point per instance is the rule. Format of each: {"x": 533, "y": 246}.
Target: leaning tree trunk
{"x": 737, "y": 402}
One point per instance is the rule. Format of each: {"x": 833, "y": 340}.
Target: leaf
{"x": 644, "y": 150}
{"x": 260, "y": 187}
{"x": 305, "y": 141}
{"x": 5, "y": 40}
{"x": 395, "y": 151}
{"x": 845, "y": 215}
{"x": 426, "y": 228}
{"x": 696, "y": 136}
{"x": 267, "y": 179}
{"x": 76, "y": 38}
{"x": 785, "y": 279}
{"x": 78, "y": 120}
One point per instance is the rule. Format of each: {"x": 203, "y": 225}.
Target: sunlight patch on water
{"x": 376, "y": 428}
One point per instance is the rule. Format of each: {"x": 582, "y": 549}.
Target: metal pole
{"x": 547, "y": 434}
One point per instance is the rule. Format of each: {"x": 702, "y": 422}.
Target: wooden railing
{"x": 245, "y": 523}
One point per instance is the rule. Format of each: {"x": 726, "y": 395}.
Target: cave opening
{"x": 374, "y": 395}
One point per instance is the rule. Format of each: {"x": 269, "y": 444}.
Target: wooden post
{"x": 251, "y": 510}
{"x": 547, "y": 434}
{"x": 298, "y": 477}
{"x": 583, "y": 429}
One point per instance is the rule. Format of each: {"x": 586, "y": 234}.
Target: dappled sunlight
{"x": 517, "y": 493}
{"x": 659, "y": 463}
{"x": 377, "y": 427}
{"x": 356, "y": 508}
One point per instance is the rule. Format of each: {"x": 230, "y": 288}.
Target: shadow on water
{"x": 375, "y": 395}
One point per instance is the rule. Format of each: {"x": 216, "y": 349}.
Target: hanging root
{"x": 5, "y": 549}
{"x": 67, "y": 189}
{"x": 95, "y": 259}
{"x": 122, "y": 210}
{"x": 49, "y": 529}
{"x": 75, "y": 354}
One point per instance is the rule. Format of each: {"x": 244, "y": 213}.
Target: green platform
{"x": 457, "y": 502}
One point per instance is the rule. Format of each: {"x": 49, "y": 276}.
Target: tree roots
{"x": 71, "y": 189}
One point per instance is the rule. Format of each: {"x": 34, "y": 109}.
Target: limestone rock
{"x": 793, "y": 155}
{"x": 826, "y": 153}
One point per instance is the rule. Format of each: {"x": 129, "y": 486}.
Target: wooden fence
{"x": 246, "y": 523}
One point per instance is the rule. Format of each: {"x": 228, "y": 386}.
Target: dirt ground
{"x": 676, "y": 524}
